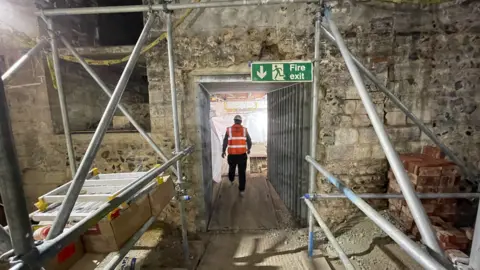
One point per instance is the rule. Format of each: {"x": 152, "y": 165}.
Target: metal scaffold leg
{"x": 61, "y": 96}
{"x": 413, "y": 202}
{"x": 313, "y": 132}
{"x": 475, "y": 251}
{"x": 176, "y": 132}
{"x": 11, "y": 188}
{"x": 97, "y": 138}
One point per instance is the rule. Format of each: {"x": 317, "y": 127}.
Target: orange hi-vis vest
{"x": 237, "y": 140}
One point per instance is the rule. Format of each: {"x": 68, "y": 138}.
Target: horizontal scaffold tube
{"x": 146, "y": 8}
{"x": 407, "y": 244}
{"x": 395, "y": 196}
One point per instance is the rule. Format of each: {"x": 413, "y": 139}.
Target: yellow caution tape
{"x": 41, "y": 205}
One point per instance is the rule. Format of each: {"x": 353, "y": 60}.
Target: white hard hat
{"x": 237, "y": 117}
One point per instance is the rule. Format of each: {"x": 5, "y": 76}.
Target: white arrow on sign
{"x": 261, "y": 73}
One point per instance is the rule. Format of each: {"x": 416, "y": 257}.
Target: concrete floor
{"x": 248, "y": 233}
{"x": 254, "y": 211}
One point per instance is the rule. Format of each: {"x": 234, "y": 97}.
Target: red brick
{"x": 445, "y": 236}
{"x": 451, "y": 170}
{"x": 433, "y": 152}
{"x": 427, "y": 180}
{"x": 430, "y": 171}
{"x": 437, "y": 221}
{"x": 430, "y": 206}
{"x": 448, "y": 189}
{"x": 426, "y": 189}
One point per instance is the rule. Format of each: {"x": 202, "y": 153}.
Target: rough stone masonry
{"x": 428, "y": 55}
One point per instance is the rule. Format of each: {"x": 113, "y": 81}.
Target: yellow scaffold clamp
{"x": 41, "y": 205}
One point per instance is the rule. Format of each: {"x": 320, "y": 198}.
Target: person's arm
{"x": 225, "y": 143}
{"x": 249, "y": 142}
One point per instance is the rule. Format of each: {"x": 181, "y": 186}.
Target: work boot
{"x": 242, "y": 193}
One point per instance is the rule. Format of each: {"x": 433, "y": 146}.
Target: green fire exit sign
{"x": 293, "y": 71}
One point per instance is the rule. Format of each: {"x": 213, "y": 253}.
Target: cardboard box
{"x": 161, "y": 195}
{"x": 67, "y": 257}
{"x": 110, "y": 235}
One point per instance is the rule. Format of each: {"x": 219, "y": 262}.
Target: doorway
{"x": 264, "y": 107}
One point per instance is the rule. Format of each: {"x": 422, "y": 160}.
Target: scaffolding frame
{"x": 30, "y": 255}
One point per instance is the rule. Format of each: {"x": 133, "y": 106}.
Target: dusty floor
{"x": 257, "y": 232}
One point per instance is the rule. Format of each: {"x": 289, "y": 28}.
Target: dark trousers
{"x": 241, "y": 161}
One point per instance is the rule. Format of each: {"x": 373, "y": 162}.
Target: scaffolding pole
{"x": 97, "y": 138}
{"x": 50, "y": 248}
{"x": 414, "y": 204}
{"x": 474, "y": 262}
{"x": 176, "y": 132}
{"x": 407, "y": 112}
{"x": 118, "y": 257}
{"x": 313, "y": 122}
{"x": 5, "y": 241}
{"x": 20, "y": 62}
{"x": 164, "y": 7}
{"x": 331, "y": 238}
{"x": 11, "y": 187}
{"x": 407, "y": 244}
{"x": 61, "y": 96}
{"x": 122, "y": 108}
{"x": 396, "y": 196}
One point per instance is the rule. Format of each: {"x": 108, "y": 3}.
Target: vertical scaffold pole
{"x": 61, "y": 96}
{"x": 176, "y": 132}
{"x": 313, "y": 133}
{"x": 11, "y": 187}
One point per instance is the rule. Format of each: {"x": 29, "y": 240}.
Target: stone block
{"x": 340, "y": 152}
{"x": 346, "y": 136}
{"x": 367, "y": 135}
{"x": 395, "y": 119}
{"x": 377, "y": 152}
{"x": 361, "y": 120}
{"x": 404, "y": 133}
{"x": 352, "y": 93}
{"x": 350, "y": 106}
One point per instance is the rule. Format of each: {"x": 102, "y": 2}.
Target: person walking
{"x": 239, "y": 144}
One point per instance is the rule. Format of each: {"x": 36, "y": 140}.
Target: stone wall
{"x": 389, "y": 39}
